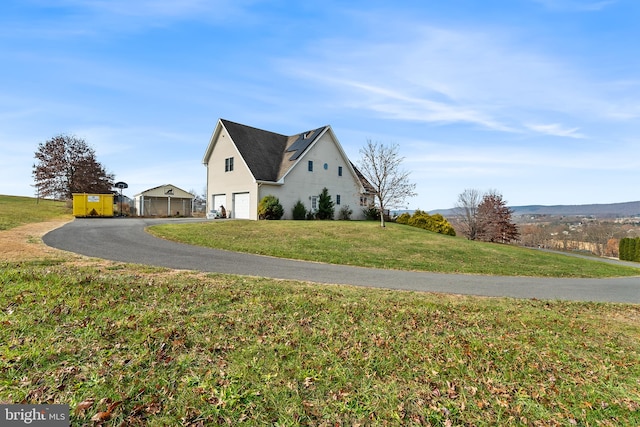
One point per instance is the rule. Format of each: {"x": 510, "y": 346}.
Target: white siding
{"x": 240, "y": 180}
{"x": 300, "y": 184}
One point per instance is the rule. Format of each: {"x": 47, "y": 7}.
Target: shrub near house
{"x": 436, "y": 223}
{"x": 299, "y": 211}
{"x": 326, "y": 207}
{"x": 270, "y": 208}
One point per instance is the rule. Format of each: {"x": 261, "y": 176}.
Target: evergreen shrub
{"x": 299, "y": 211}
{"x": 270, "y": 208}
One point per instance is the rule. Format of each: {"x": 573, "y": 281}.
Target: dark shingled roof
{"x": 261, "y": 150}
{"x": 368, "y": 188}
{"x": 268, "y": 155}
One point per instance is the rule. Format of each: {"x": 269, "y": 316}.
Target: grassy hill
{"x": 16, "y": 210}
{"x": 142, "y": 346}
{"x": 401, "y": 247}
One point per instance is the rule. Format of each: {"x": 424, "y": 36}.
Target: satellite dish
{"x": 121, "y": 185}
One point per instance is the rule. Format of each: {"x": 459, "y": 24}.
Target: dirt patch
{"x": 24, "y": 243}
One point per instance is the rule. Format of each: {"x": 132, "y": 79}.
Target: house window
{"x": 337, "y": 199}
{"x": 364, "y": 201}
{"x": 228, "y": 164}
{"x": 339, "y": 170}
{"x": 314, "y": 203}
{"x": 310, "y": 165}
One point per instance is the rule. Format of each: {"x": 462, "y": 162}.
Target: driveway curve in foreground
{"x": 125, "y": 240}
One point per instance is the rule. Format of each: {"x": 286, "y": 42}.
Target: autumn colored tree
{"x": 67, "y": 165}
{"x": 611, "y": 249}
{"x": 381, "y": 165}
{"x": 494, "y": 220}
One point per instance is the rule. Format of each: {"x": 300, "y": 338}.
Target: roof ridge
{"x": 251, "y": 127}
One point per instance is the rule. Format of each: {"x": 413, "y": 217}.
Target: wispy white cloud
{"x": 556, "y": 129}
{"x": 444, "y": 75}
{"x": 514, "y": 160}
{"x": 395, "y": 103}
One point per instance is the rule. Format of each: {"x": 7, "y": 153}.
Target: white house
{"x": 244, "y": 164}
{"x": 164, "y": 200}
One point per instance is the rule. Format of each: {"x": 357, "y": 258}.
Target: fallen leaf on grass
{"x": 308, "y": 382}
{"x": 105, "y": 415}
{"x": 101, "y": 416}
{"x": 82, "y": 406}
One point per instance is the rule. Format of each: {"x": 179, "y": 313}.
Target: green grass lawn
{"x": 195, "y": 349}
{"x": 15, "y": 211}
{"x": 366, "y": 244}
{"x": 142, "y": 346}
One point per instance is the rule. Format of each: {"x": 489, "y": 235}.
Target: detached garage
{"x": 165, "y": 200}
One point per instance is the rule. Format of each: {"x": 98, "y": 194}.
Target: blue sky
{"x": 537, "y": 99}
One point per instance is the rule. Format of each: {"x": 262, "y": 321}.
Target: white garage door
{"x": 241, "y": 205}
{"x": 219, "y": 200}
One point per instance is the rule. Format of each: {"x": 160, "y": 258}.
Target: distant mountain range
{"x": 617, "y": 210}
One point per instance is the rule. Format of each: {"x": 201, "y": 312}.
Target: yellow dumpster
{"x": 92, "y": 205}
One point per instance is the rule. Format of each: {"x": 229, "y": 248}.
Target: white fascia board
{"x": 214, "y": 137}
{"x": 347, "y": 161}
{"x": 270, "y": 182}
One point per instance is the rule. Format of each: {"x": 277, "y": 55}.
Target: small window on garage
{"x": 228, "y": 164}
{"x": 310, "y": 165}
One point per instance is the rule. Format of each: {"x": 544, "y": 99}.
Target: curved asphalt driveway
{"x": 124, "y": 239}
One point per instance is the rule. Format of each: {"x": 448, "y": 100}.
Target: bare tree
{"x": 598, "y": 233}
{"x": 467, "y": 212}
{"x": 381, "y": 165}
{"x": 67, "y": 165}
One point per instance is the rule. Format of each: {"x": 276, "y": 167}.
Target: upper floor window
{"x": 339, "y": 170}
{"x": 310, "y": 165}
{"x": 228, "y": 164}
